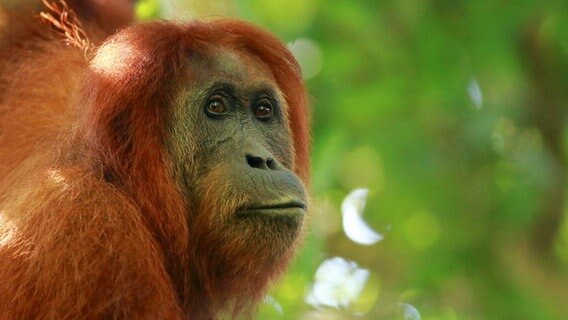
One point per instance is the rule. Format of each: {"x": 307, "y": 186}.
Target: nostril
{"x": 255, "y": 162}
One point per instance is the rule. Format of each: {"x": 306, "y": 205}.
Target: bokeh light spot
{"x": 475, "y": 93}
{"x": 409, "y": 312}
{"x": 270, "y": 309}
{"x": 338, "y": 283}
{"x": 309, "y": 56}
{"x": 422, "y": 230}
{"x": 354, "y": 226}
{"x": 147, "y": 9}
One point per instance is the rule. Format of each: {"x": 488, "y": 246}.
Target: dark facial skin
{"x": 233, "y": 153}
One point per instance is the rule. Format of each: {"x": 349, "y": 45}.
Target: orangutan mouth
{"x": 288, "y": 208}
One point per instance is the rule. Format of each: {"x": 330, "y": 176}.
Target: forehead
{"x": 229, "y": 65}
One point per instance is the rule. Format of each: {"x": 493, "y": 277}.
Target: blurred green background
{"x": 452, "y": 113}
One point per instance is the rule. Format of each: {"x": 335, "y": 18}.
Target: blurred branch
{"x": 545, "y": 64}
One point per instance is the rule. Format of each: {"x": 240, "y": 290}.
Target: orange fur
{"x": 92, "y": 224}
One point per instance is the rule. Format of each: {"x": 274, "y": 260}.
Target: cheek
{"x": 218, "y": 196}
{"x": 282, "y": 147}
{"x": 182, "y": 150}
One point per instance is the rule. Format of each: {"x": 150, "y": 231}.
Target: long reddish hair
{"x": 125, "y": 96}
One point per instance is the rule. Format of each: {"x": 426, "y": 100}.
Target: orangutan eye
{"x": 263, "y": 110}
{"x": 216, "y": 107}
